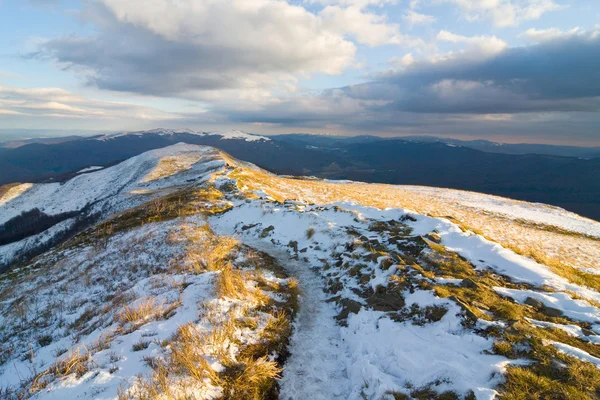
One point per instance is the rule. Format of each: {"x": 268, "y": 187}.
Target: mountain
{"x": 514, "y": 148}
{"x": 568, "y": 182}
{"x": 49, "y": 140}
{"x": 192, "y": 274}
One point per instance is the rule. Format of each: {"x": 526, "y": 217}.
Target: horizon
{"x": 506, "y": 71}
{"x": 18, "y": 135}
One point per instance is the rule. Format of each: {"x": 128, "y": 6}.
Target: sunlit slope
{"x": 188, "y": 286}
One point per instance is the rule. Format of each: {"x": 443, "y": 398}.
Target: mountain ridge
{"x": 190, "y": 282}
{"x": 570, "y": 183}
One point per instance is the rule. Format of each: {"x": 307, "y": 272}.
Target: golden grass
{"x": 77, "y": 362}
{"x": 245, "y": 377}
{"x": 168, "y": 166}
{"x": 561, "y": 246}
{"x": 206, "y": 251}
{"x": 143, "y": 311}
{"x": 572, "y": 274}
{"x": 231, "y": 284}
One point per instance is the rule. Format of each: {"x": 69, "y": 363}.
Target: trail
{"x": 317, "y": 366}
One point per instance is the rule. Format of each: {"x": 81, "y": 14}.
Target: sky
{"x": 503, "y": 70}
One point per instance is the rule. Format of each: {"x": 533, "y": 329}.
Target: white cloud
{"x": 476, "y": 46}
{"x": 367, "y": 28}
{"x": 195, "y": 49}
{"x": 415, "y": 18}
{"x": 55, "y": 103}
{"x": 551, "y": 34}
{"x": 505, "y": 12}
{"x": 357, "y": 3}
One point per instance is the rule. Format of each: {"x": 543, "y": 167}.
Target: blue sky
{"x": 506, "y": 70}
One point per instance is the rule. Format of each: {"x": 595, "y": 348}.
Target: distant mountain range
{"x": 568, "y": 177}
{"x": 482, "y": 145}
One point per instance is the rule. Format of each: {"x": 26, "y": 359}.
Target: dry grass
{"x": 187, "y": 366}
{"x": 231, "y": 284}
{"x": 573, "y": 274}
{"x": 143, "y": 311}
{"x": 78, "y": 362}
{"x": 168, "y": 166}
{"x": 561, "y": 246}
{"x": 206, "y": 251}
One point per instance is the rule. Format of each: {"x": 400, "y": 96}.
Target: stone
{"x": 386, "y": 301}
{"x": 434, "y": 237}
{"x": 534, "y": 303}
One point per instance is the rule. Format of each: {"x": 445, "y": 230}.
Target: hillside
{"x": 568, "y": 182}
{"x": 185, "y": 273}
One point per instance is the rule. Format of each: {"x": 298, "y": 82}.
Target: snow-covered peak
{"x": 236, "y": 134}
{"x": 150, "y": 171}
{"x": 232, "y": 134}
{"x": 157, "y": 131}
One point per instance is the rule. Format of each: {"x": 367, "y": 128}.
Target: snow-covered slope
{"x": 110, "y": 190}
{"x": 208, "y": 277}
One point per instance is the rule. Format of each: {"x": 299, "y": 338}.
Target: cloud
{"x": 505, "y": 12}
{"x": 59, "y": 104}
{"x": 367, "y": 28}
{"x": 553, "y": 34}
{"x": 414, "y": 18}
{"x": 199, "y": 48}
{"x": 553, "y": 86}
{"x": 476, "y": 46}
{"x": 356, "y": 3}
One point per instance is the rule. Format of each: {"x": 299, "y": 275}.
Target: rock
{"x": 469, "y": 283}
{"x": 530, "y": 301}
{"x": 588, "y": 332}
{"x": 387, "y": 301}
{"x": 371, "y": 257}
{"x": 551, "y": 311}
{"x": 407, "y": 217}
{"x": 434, "y": 237}
{"x": 266, "y": 232}
{"x": 516, "y": 327}
{"x": 469, "y": 313}
{"x": 348, "y": 306}
{"x": 386, "y": 263}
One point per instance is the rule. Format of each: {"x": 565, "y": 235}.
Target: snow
{"x": 226, "y": 135}
{"x": 317, "y": 337}
{"x": 388, "y": 355}
{"x": 9, "y": 251}
{"x": 116, "y": 188}
{"x": 369, "y": 355}
{"x": 571, "y": 330}
{"x": 235, "y": 134}
{"x": 89, "y": 169}
{"x": 376, "y": 355}
{"x": 515, "y": 209}
{"x": 575, "y": 352}
{"x": 58, "y": 299}
{"x": 578, "y": 310}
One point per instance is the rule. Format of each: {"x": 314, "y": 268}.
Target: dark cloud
{"x": 563, "y": 75}
{"x": 550, "y": 89}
